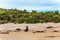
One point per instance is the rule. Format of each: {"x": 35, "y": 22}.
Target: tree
{"x": 23, "y": 16}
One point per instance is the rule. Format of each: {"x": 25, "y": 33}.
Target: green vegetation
{"x": 23, "y": 16}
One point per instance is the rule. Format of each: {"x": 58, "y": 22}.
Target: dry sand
{"x": 39, "y": 26}
{"x": 30, "y": 36}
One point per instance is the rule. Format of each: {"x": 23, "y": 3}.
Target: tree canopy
{"x": 24, "y": 16}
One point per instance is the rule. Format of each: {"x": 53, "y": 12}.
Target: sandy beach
{"x": 30, "y": 36}
{"x": 48, "y": 35}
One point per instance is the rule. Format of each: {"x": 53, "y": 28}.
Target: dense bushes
{"x": 23, "y": 16}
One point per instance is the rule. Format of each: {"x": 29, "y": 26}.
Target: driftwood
{"x": 17, "y": 30}
{"x": 39, "y": 32}
{"x": 50, "y": 36}
{"x": 55, "y": 31}
{"x": 49, "y": 27}
{"x": 4, "y": 32}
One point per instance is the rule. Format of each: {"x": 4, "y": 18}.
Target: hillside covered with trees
{"x": 23, "y": 16}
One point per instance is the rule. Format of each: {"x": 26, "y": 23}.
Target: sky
{"x": 39, "y": 5}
